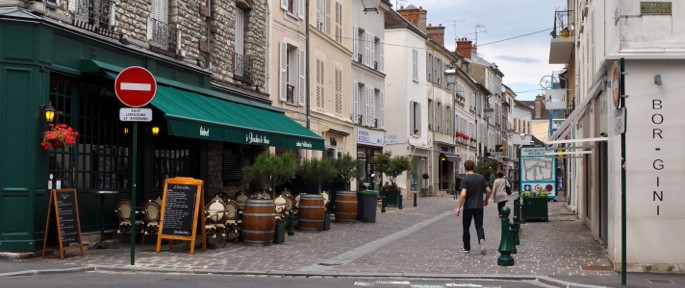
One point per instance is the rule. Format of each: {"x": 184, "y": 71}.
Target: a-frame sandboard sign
{"x": 65, "y": 205}
{"x": 182, "y": 207}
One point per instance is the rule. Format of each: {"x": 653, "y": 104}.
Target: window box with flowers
{"x": 59, "y": 136}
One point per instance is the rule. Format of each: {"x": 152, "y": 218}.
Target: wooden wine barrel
{"x": 259, "y": 222}
{"x": 345, "y": 206}
{"x": 311, "y": 212}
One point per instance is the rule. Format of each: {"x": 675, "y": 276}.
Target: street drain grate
{"x": 595, "y": 268}
{"x": 659, "y": 281}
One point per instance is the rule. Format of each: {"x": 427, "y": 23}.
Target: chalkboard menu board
{"x": 66, "y": 216}
{"x": 182, "y": 202}
{"x": 180, "y": 208}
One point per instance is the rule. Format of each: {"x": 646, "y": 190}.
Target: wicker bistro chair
{"x": 123, "y": 211}
{"x": 232, "y": 220}
{"x": 151, "y": 212}
{"x": 215, "y": 214}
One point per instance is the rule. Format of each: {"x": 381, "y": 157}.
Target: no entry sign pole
{"x": 135, "y": 87}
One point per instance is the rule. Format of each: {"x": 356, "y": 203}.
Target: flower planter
{"x": 535, "y": 209}
{"x": 392, "y": 198}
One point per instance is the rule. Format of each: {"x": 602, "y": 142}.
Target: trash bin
{"x": 366, "y": 203}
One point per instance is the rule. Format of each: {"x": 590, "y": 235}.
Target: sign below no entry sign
{"x": 135, "y": 86}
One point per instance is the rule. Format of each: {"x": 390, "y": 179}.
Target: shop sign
{"x": 369, "y": 137}
{"x": 254, "y": 138}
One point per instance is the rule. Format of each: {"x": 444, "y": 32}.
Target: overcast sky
{"x": 523, "y": 60}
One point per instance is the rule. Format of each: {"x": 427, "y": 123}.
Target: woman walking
{"x": 499, "y": 189}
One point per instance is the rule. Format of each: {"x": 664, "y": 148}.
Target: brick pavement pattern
{"x": 424, "y": 239}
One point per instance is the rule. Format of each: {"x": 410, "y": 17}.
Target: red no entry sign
{"x": 135, "y": 86}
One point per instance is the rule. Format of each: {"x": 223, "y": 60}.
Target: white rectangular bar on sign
{"x": 135, "y": 86}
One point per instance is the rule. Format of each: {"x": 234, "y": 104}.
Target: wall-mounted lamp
{"x": 126, "y": 131}
{"x": 370, "y": 5}
{"x": 49, "y": 112}
{"x": 155, "y": 130}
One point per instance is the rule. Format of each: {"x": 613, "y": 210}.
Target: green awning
{"x": 194, "y": 115}
{"x": 201, "y": 113}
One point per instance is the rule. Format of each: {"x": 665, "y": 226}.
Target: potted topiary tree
{"x": 392, "y": 167}
{"x": 347, "y": 169}
{"x": 318, "y": 171}
{"x": 424, "y": 189}
{"x": 269, "y": 171}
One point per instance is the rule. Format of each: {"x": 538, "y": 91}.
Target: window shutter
{"x": 367, "y": 116}
{"x": 319, "y": 84}
{"x": 338, "y": 21}
{"x": 319, "y": 15}
{"x": 415, "y": 64}
{"x": 72, "y": 5}
{"x": 328, "y": 17}
{"x": 301, "y": 83}
{"x": 300, "y": 9}
{"x": 338, "y": 90}
{"x": 381, "y": 99}
{"x": 284, "y": 4}
{"x": 355, "y": 97}
{"x": 372, "y": 106}
{"x": 355, "y": 42}
{"x": 160, "y": 10}
{"x": 283, "y": 89}
{"x": 239, "y": 29}
{"x": 372, "y": 50}
{"x": 367, "y": 48}
{"x": 112, "y": 13}
{"x": 381, "y": 61}
{"x": 412, "y": 117}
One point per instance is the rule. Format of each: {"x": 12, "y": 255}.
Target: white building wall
{"x": 651, "y": 45}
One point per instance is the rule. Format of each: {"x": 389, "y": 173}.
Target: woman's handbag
{"x": 507, "y": 187}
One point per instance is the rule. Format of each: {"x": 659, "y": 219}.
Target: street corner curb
{"x": 19, "y": 255}
{"x": 564, "y": 284}
{"x": 47, "y": 271}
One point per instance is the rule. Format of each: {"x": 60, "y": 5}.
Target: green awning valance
{"x": 193, "y": 115}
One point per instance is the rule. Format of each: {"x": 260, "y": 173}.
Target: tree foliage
{"x": 318, "y": 171}
{"x": 270, "y": 170}
{"x": 347, "y": 169}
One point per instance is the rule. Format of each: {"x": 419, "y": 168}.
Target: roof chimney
{"x": 465, "y": 47}
{"x": 437, "y": 33}
{"x": 539, "y": 105}
{"x": 416, "y": 16}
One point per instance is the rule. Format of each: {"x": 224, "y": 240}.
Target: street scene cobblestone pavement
{"x": 423, "y": 240}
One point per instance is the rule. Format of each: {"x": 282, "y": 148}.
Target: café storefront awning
{"x": 192, "y": 115}
{"x": 197, "y": 112}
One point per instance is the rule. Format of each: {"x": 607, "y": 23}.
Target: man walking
{"x": 473, "y": 186}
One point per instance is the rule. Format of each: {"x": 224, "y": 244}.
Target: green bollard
{"x": 512, "y": 237}
{"x": 505, "y": 243}
{"x": 521, "y": 208}
{"x": 291, "y": 227}
{"x": 414, "y": 199}
{"x": 383, "y": 204}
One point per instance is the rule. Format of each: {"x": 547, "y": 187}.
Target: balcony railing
{"x": 94, "y": 15}
{"x": 243, "y": 67}
{"x": 163, "y": 35}
{"x": 563, "y": 28}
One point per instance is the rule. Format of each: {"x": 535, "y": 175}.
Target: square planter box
{"x": 391, "y": 198}
{"x": 535, "y": 209}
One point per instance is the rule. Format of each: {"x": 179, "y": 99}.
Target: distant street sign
{"x": 135, "y": 114}
{"x": 135, "y": 86}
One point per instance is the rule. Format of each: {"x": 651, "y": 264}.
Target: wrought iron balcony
{"x": 94, "y": 15}
{"x": 163, "y": 35}
{"x": 243, "y": 67}
{"x": 562, "y": 37}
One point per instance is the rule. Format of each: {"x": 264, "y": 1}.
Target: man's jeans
{"x": 477, "y": 215}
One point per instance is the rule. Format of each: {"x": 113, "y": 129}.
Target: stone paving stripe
{"x": 360, "y": 251}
